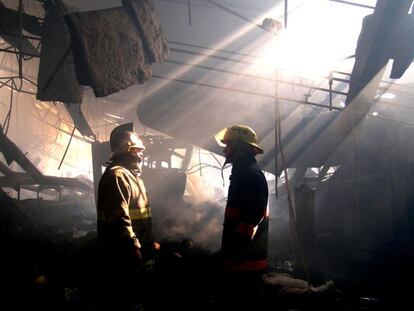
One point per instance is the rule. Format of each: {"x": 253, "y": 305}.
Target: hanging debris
{"x": 112, "y": 49}
{"x": 56, "y": 66}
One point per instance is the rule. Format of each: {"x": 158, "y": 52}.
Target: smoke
{"x": 189, "y": 203}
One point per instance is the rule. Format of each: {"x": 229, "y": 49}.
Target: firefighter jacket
{"x": 124, "y": 215}
{"x": 246, "y": 219}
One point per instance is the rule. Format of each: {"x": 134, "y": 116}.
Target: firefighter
{"x": 124, "y": 225}
{"x": 246, "y": 218}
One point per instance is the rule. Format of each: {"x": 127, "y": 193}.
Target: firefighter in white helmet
{"x": 246, "y": 219}
{"x": 124, "y": 224}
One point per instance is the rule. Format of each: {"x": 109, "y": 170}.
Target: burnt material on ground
{"x": 43, "y": 264}
{"x": 54, "y": 268}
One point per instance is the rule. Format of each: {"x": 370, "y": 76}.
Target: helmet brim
{"x": 219, "y": 138}
{"x": 259, "y": 150}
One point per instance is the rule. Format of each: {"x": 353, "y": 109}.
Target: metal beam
{"x": 355, "y": 4}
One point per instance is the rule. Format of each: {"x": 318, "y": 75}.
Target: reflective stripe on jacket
{"x": 246, "y": 220}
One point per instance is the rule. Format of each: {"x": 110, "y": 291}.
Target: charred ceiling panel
{"x": 377, "y": 43}
{"x": 108, "y": 50}
{"x": 143, "y": 16}
{"x": 112, "y": 49}
{"x": 379, "y": 37}
{"x": 57, "y": 77}
{"x": 111, "y": 53}
{"x": 404, "y": 49}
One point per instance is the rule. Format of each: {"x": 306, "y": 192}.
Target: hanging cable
{"x": 285, "y": 15}
{"x": 67, "y": 147}
{"x": 304, "y": 122}
{"x": 203, "y": 165}
{"x": 20, "y": 55}
{"x": 234, "y": 13}
{"x": 199, "y": 161}
{"x": 189, "y": 12}
{"x": 215, "y": 158}
{"x": 276, "y": 103}
{"x": 292, "y": 216}
{"x": 6, "y": 123}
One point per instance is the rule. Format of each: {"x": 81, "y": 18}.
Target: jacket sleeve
{"x": 117, "y": 194}
{"x": 253, "y": 204}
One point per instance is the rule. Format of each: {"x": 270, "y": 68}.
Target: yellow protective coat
{"x": 124, "y": 214}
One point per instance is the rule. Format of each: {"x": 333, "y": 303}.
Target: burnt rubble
{"x": 54, "y": 268}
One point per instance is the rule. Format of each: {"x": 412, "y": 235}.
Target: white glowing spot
{"x": 331, "y": 171}
{"x": 114, "y": 116}
{"x": 387, "y": 96}
{"x": 315, "y": 170}
{"x": 341, "y": 104}
{"x": 110, "y": 121}
{"x": 375, "y": 113}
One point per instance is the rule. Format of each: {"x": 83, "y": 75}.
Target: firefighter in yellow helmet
{"x": 124, "y": 224}
{"x": 246, "y": 219}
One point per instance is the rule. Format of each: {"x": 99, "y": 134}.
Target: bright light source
{"x": 317, "y": 38}
{"x": 293, "y": 51}
{"x": 375, "y": 113}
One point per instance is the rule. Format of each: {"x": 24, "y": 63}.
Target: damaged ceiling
{"x": 219, "y": 81}
{"x": 218, "y": 70}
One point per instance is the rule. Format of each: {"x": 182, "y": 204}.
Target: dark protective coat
{"x": 246, "y": 220}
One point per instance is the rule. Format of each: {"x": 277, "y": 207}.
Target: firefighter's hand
{"x": 137, "y": 250}
{"x": 138, "y": 255}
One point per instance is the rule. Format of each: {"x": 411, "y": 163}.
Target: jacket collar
{"x": 127, "y": 163}
{"x": 242, "y": 163}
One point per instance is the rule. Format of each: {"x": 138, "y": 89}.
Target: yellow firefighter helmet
{"x": 241, "y": 133}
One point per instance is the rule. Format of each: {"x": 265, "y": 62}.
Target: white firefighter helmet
{"x": 122, "y": 142}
